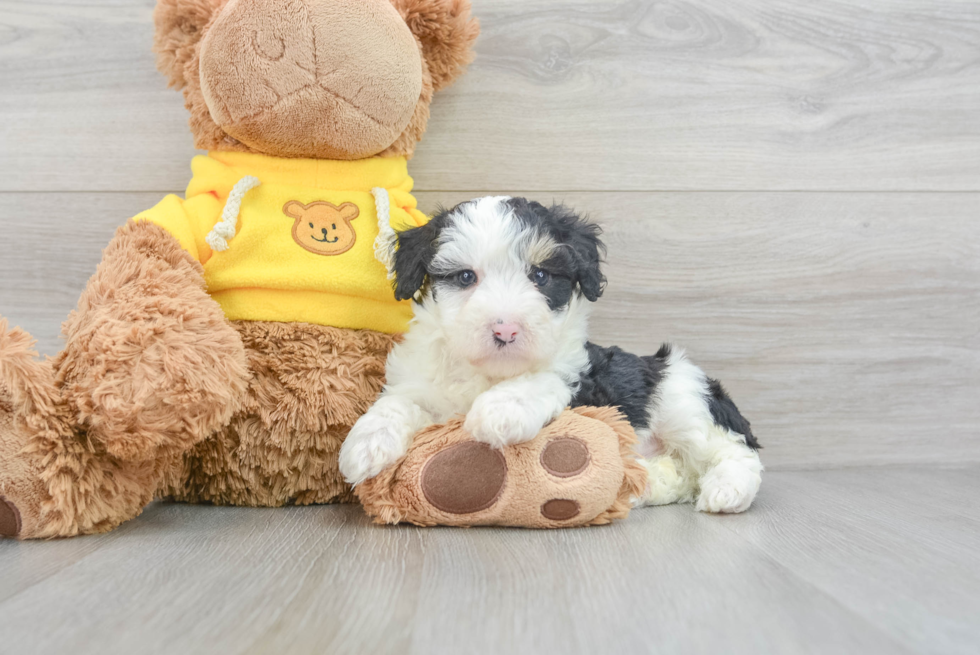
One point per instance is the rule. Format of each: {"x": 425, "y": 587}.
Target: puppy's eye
{"x": 466, "y": 278}
{"x": 540, "y": 277}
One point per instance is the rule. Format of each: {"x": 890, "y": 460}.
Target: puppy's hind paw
{"x": 729, "y": 488}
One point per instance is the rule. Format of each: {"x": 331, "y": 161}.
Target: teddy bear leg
{"x": 579, "y": 470}
{"x": 54, "y": 480}
{"x": 151, "y": 367}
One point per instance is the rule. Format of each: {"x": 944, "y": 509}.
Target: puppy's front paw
{"x": 501, "y": 419}
{"x": 374, "y": 444}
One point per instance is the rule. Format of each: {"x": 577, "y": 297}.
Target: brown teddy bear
{"x": 228, "y": 341}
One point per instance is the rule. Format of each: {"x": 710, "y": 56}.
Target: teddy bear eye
{"x": 311, "y": 225}
{"x": 333, "y": 226}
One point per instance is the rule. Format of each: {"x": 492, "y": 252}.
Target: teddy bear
{"x": 228, "y": 340}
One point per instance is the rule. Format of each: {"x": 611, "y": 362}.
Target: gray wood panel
{"x": 844, "y": 324}
{"x": 564, "y": 95}
{"x": 826, "y": 562}
{"x": 903, "y": 561}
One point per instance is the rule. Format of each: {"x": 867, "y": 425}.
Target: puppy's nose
{"x": 506, "y": 332}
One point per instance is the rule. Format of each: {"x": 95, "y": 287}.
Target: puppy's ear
{"x": 179, "y": 28}
{"x": 416, "y": 250}
{"x": 582, "y": 238}
{"x": 446, "y": 31}
{"x": 589, "y": 251}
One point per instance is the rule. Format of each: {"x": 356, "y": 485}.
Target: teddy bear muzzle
{"x": 329, "y": 79}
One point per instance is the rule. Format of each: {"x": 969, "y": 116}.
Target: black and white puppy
{"x": 502, "y": 288}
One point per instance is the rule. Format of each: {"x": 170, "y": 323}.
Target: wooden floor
{"x": 871, "y": 560}
{"x": 789, "y": 188}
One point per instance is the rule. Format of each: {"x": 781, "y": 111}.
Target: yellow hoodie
{"x": 296, "y": 239}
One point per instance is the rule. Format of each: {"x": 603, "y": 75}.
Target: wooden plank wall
{"x": 790, "y": 189}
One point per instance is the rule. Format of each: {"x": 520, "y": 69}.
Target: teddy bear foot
{"x": 22, "y": 491}
{"x": 20, "y": 513}
{"x": 578, "y": 471}
{"x": 21, "y": 488}
{"x": 9, "y": 519}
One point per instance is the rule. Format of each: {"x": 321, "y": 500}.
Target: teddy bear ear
{"x": 447, "y": 33}
{"x": 179, "y": 27}
{"x": 294, "y": 209}
{"x": 349, "y": 211}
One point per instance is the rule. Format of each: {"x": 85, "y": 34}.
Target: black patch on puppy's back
{"x": 726, "y": 414}
{"x": 620, "y": 379}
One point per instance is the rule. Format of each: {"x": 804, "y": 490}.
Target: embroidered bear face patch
{"x": 322, "y": 227}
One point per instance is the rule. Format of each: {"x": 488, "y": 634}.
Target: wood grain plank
{"x": 564, "y": 95}
{"x": 668, "y": 581}
{"x": 23, "y": 565}
{"x": 846, "y": 326}
{"x": 907, "y": 567}
{"x": 205, "y": 580}
{"x": 313, "y": 580}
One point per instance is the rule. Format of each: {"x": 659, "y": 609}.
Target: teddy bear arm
{"x": 579, "y": 470}
{"x": 151, "y": 364}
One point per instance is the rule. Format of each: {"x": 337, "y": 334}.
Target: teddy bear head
{"x": 320, "y": 79}
{"x": 322, "y": 227}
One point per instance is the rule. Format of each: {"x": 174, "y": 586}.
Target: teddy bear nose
{"x": 506, "y": 332}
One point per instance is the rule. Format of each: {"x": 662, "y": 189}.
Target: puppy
{"x": 502, "y": 288}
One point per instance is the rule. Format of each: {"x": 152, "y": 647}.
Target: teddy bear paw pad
{"x": 466, "y": 478}
{"x": 9, "y": 519}
{"x": 565, "y": 457}
{"x": 560, "y": 509}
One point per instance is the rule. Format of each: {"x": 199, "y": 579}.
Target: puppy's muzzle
{"x": 505, "y": 333}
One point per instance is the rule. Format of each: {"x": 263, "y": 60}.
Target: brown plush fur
{"x": 310, "y": 384}
{"x": 60, "y": 482}
{"x": 446, "y": 32}
{"x": 603, "y": 491}
{"x": 151, "y": 363}
{"x": 150, "y": 368}
{"x": 28, "y": 404}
